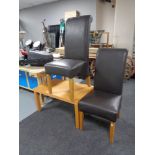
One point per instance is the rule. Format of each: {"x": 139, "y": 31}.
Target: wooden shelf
{"x": 60, "y": 90}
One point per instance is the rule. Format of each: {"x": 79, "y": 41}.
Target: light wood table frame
{"x": 60, "y": 89}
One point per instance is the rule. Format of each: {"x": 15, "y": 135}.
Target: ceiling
{"x": 29, "y": 3}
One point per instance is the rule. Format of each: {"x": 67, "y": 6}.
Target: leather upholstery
{"x": 101, "y": 104}
{"x": 65, "y": 67}
{"x": 110, "y": 64}
{"x": 77, "y": 38}
{"x": 76, "y": 47}
{"x": 106, "y": 99}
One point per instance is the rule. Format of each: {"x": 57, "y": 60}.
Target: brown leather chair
{"x": 76, "y": 58}
{"x": 105, "y": 102}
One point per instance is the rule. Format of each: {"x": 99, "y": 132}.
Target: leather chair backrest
{"x": 110, "y": 66}
{"x": 77, "y": 41}
{"x": 77, "y": 37}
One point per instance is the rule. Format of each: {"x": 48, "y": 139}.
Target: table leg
{"x": 81, "y": 116}
{"x": 42, "y": 99}
{"x": 37, "y": 101}
{"x": 76, "y": 115}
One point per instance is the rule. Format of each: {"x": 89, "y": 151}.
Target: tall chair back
{"x": 77, "y": 40}
{"x": 110, "y": 66}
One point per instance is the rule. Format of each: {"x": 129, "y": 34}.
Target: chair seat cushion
{"x": 101, "y": 104}
{"x": 65, "y": 67}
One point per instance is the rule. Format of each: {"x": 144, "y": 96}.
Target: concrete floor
{"x": 26, "y": 104}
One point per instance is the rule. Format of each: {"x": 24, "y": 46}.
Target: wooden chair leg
{"x": 81, "y": 117}
{"x": 88, "y": 81}
{"x": 76, "y": 116}
{"x": 49, "y": 83}
{"x": 37, "y": 101}
{"x": 112, "y": 132}
{"x": 71, "y": 88}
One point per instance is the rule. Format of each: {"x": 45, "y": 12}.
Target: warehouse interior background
{"x": 111, "y": 19}
{"x": 24, "y": 130}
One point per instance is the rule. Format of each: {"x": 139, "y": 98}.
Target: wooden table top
{"x": 32, "y": 69}
{"x": 60, "y": 90}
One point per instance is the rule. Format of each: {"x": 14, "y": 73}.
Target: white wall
{"x": 105, "y": 17}
{"x": 124, "y": 24}
{"x": 31, "y": 18}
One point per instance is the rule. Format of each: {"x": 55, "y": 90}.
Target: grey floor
{"x": 52, "y": 131}
{"x": 26, "y": 104}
